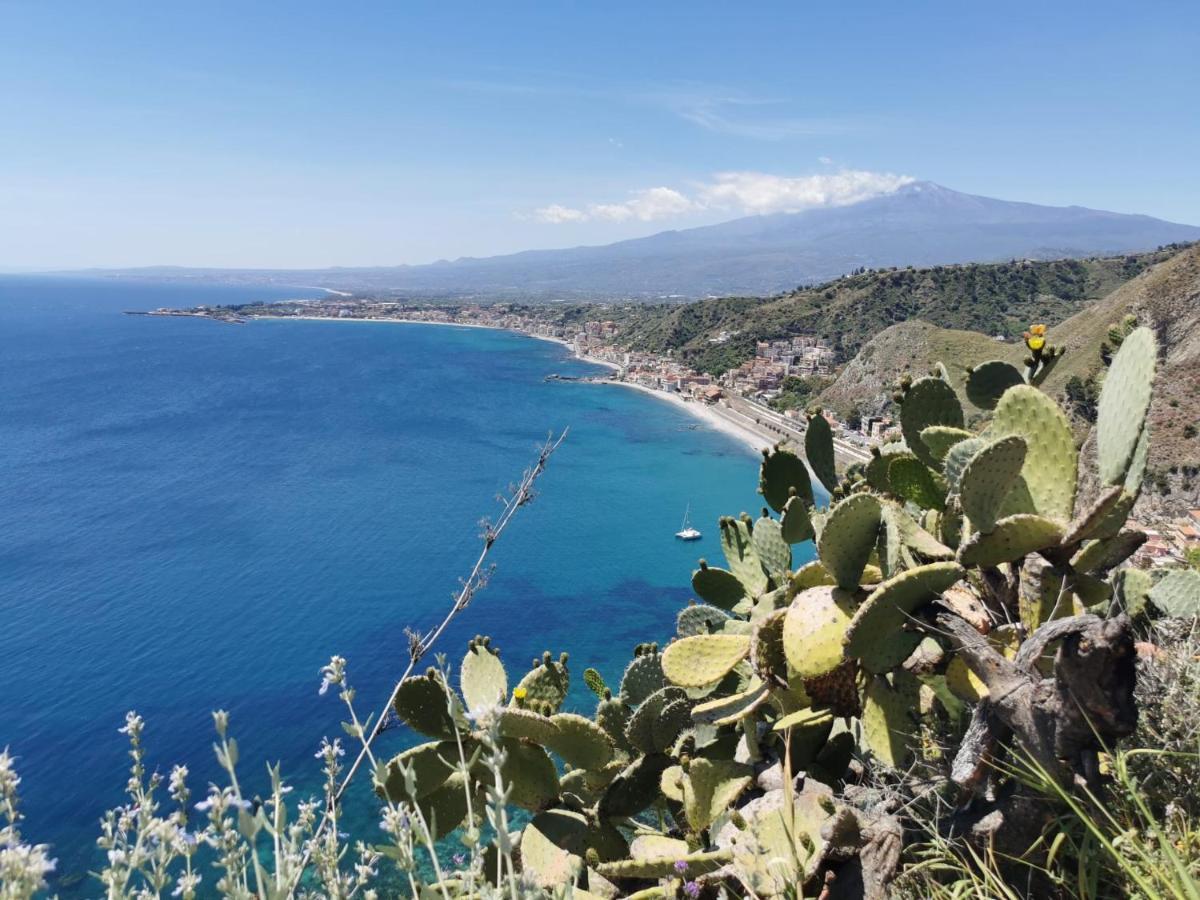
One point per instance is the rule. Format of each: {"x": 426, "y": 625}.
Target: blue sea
{"x": 196, "y": 516}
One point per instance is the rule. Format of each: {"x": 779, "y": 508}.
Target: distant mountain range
{"x": 921, "y": 224}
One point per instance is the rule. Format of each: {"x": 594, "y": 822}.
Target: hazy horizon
{"x": 312, "y": 137}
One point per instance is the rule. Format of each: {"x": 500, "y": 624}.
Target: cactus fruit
{"x": 988, "y": 478}
{"x": 717, "y": 587}
{"x": 710, "y": 787}
{"x": 888, "y": 725}
{"x": 930, "y": 401}
{"x": 698, "y": 619}
{"x": 739, "y": 554}
{"x": 1051, "y": 460}
{"x": 876, "y": 634}
{"x": 643, "y": 676}
{"x": 579, "y": 741}
{"x": 431, "y": 764}
{"x": 814, "y": 629}
{"x": 938, "y": 439}
{"x": 782, "y": 471}
{"x": 848, "y": 538}
{"x": 987, "y": 383}
{"x": 1124, "y": 402}
{"x": 818, "y": 447}
{"x": 1102, "y": 555}
{"x": 795, "y": 521}
{"x": 595, "y": 682}
{"x": 423, "y": 703}
{"x": 912, "y": 480}
{"x": 634, "y": 788}
{"x": 727, "y": 710}
{"x": 770, "y": 547}
{"x": 704, "y": 658}
{"x": 1012, "y": 538}
{"x": 544, "y": 686}
{"x": 1178, "y": 595}
{"x": 482, "y": 677}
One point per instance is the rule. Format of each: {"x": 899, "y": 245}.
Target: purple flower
{"x": 459, "y": 859}
{"x": 680, "y": 866}
{"x": 692, "y": 889}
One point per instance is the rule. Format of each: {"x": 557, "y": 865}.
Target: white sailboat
{"x": 686, "y": 531}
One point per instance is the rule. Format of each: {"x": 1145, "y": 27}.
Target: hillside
{"x": 922, "y": 224}
{"x": 993, "y": 299}
{"x": 1165, "y": 297}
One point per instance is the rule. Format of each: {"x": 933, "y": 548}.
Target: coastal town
{"x": 737, "y": 401}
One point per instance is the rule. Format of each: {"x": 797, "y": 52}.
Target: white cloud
{"x": 750, "y": 193}
{"x": 645, "y": 206}
{"x": 758, "y": 192}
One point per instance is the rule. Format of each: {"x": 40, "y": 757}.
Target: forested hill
{"x": 999, "y": 298}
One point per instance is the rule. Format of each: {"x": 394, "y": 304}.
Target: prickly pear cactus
{"x": 818, "y": 447}
{"x": 1124, "y": 402}
{"x": 929, "y": 401}
{"x": 987, "y": 383}
{"x": 783, "y": 475}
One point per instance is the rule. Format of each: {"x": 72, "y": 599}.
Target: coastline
{"x": 716, "y": 417}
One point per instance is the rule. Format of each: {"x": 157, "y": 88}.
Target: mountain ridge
{"x": 919, "y": 224}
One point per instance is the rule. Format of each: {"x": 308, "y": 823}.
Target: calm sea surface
{"x": 196, "y": 515}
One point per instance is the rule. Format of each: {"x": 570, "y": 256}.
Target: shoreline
{"x": 718, "y": 418}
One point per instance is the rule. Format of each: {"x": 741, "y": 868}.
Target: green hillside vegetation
{"x": 993, "y": 299}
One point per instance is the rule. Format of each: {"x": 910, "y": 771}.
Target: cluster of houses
{"x": 1169, "y": 542}
{"x": 775, "y": 361}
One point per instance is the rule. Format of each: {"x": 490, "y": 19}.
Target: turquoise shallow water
{"x": 195, "y": 515}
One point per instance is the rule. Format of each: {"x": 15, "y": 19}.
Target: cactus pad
{"x": 529, "y": 773}
{"x": 772, "y": 550}
{"x": 938, "y": 439}
{"x": 711, "y": 787}
{"x": 774, "y": 852}
{"x": 1132, "y": 589}
{"x": 595, "y": 682}
{"x": 848, "y": 538}
{"x": 781, "y": 471}
{"x": 544, "y": 687}
{"x": 634, "y": 788}
{"x": 914, "y": 481}
{"x": 1088, "y": 522}
{"x": 553, "y": 845}
{"x": 482, "y": 677}
{"x": 446, "y": 808}
{"x": 814, "y": 630}
{"x": 811, "y": 574}
{"x": 613, "y": 716}
{"x": 423, "y": 704}
{"x": 836, "y": 690}
{"x": 987, "y": 383}
{"x": 1124, "y": 402}
{"x": 876, "y": 472}
{"x": 818, "y": 447}
{"x": 876, "y": 634}
{"x": 1051, "y": 459}
{"x": 795, "y": 522}
{"x": 766, "y": 648}
{"x": 726, "y": 710}
{"x": 888, "y": 719}
{"x": 988, "y": 478}
{"x": 718, "y": 587}
{"x": 704, "y": 658}
{"x": 651, "y": 728}
{"x": 736, "y": 543}
{"x": 1012, "y": 538}
{"x": 646, "y": 867}
{"x": 699, "y": 619}
{"x": 930, "y": 401}
{"x": 1178, "y": 595}
{"x": 580, "y": 741}
{"x": 643, "y": 676}
{"x": 1100, "y": 556}
{"x": 526, "y": 725}
{"x": 431, "y": 766}
{"x": 957, "y": 458}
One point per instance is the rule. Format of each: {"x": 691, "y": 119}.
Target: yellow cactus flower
{"x": 519, "y": 693}
{"x": 1035, "y": 337}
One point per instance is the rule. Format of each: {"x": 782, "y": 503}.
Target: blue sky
{"x": 314, "y": 134}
